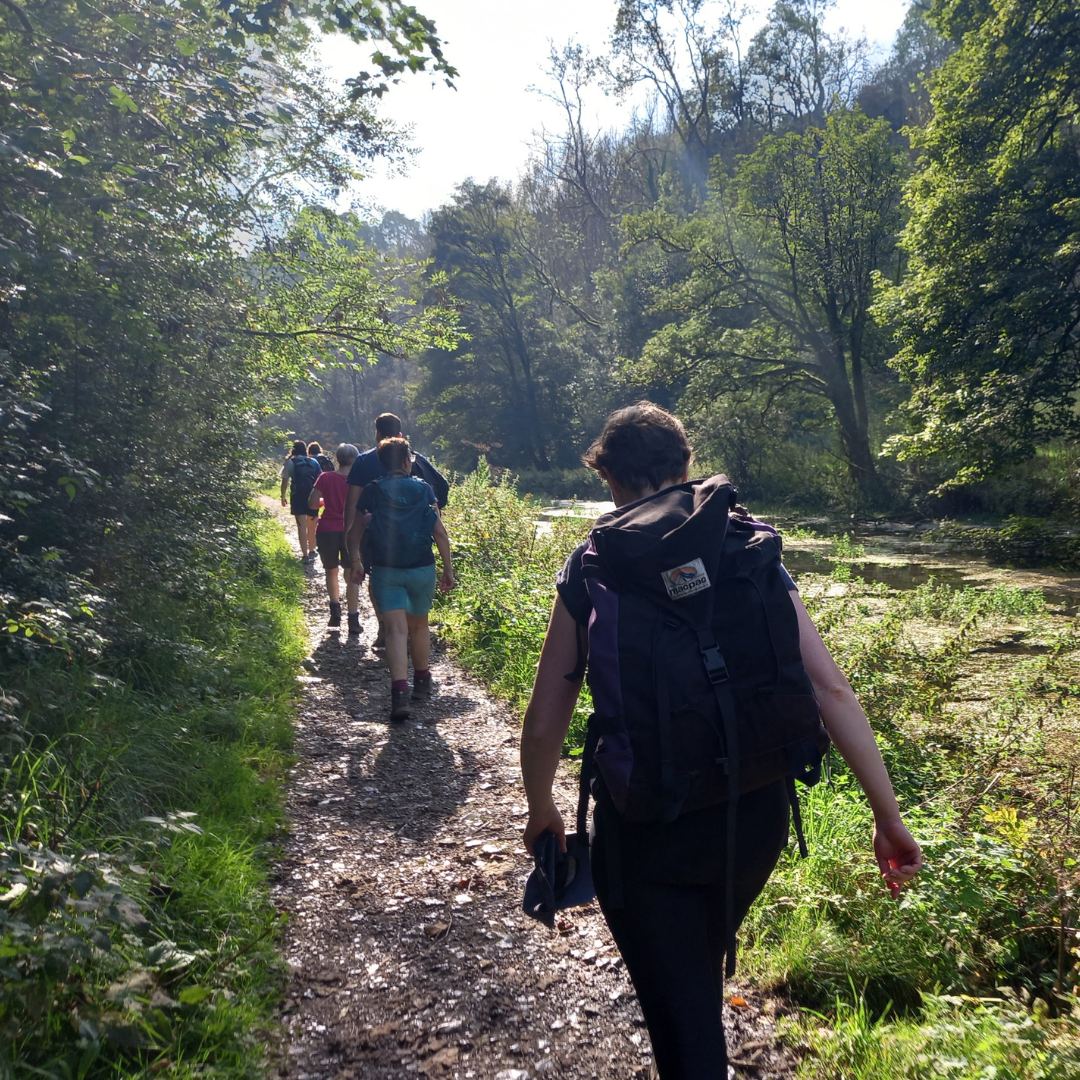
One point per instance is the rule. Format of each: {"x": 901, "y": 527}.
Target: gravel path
{"x": 402, "y": 874}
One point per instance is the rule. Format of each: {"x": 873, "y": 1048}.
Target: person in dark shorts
{"x": 401, "y": 515}
{"x": 368, "y": 468}
{"x": 668, "y": 914}
{"x": 297, "y": 479}
{"x": 331, "y": 488}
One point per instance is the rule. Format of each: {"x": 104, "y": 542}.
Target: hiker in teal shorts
{"x": 399, "y": 513}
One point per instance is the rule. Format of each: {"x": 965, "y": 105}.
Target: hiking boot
{"x": 399, "y": 704}
{"x": 354, "y": 623}
{"x": 335, "y": 614}
{"x": 380, "y": 639}
{"x": 423, "y": 689}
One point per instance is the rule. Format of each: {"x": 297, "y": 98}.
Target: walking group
{"x": 381, "y": 513}
{"x": 712, "y": 690}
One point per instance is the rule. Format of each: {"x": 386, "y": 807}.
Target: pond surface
{"x": 906, "y": 560}
{"x": 901, "y": 556}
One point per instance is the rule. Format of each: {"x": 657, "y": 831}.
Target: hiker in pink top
{"x": 330, "y": 489}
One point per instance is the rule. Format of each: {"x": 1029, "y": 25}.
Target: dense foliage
{"x": 156, "y": 298}
{"x": 989, "y": 309}
{"x": 140, "y": 774}
{"x": 167, "y": 275}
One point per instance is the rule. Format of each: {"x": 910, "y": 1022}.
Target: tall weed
{"x": 954, "y": 1038}
{"x": 506, "y": 564}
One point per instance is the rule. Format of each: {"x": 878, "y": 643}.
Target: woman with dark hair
{"x": 400, "y": 515}
{"x": 298, "y": 476}
{"x": 316, "y": 451}
{"x": 673, "y": 887}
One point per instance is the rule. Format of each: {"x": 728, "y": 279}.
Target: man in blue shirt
{"x": 367, "y": 468}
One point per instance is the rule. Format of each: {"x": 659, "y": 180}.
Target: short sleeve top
{"x": 332, "y": 487}
{"x": 366, "y": 469}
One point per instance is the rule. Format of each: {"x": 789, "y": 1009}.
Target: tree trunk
{"x": 854, "y": 433}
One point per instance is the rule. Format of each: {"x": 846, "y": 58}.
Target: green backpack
{"x": 402, "y": 521}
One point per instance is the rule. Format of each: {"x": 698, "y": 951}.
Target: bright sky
{"x": 485, "y": 127}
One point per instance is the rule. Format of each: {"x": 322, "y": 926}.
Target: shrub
{"x": 506, "y": 564}
{"x": 138, "y": 790}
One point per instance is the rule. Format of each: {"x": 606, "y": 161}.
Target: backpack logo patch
{"x": 685, "y": 580}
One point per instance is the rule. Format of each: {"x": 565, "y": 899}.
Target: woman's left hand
{"x": 446, "y": 582}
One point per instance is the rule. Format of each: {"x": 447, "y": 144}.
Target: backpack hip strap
{"x": 592, "y": 737}
{"x": 716, "y": 667}
{"x": 796, "y": 816}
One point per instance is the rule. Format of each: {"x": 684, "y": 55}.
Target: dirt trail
{"x": 403, "y": 872}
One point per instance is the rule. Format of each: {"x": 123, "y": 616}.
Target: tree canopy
{"x": 989, "y": 310}
{"x": 162, "y": 288}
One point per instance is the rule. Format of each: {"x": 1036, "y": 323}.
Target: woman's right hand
{"x": 547, "y": 818}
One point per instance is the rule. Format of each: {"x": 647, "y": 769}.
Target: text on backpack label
{"x": 685, "y": 580}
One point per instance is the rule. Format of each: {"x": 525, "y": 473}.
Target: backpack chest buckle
{"x": 715, "y": 664}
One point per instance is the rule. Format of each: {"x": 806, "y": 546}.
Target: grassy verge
{"x": 141, "y": 788}
{"x": 973, "y": 696}
{"x": 505, "y": 568}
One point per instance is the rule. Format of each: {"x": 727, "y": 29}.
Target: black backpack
{"x": 305, "y": 471}
{"x": 695, "y": 668}
{"x": 324, "y": 463}
{"x": 439, "y": 484}
{"x": 402, "y": 521}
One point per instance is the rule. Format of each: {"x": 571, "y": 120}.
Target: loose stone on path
{"x": 402, "y": 874}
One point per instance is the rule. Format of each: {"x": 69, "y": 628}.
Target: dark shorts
{"x": 300, "y": 508}
{"x": 332, "y": 549}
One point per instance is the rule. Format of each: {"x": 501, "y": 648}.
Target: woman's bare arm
{"x": 442, "y": 542}
{"x": 897, "y": 853}
{"x": 547, "y": 719}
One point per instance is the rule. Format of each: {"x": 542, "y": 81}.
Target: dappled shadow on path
{"x": 401, "y": 777}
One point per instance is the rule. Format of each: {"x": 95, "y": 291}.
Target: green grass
{"x": 139, "y": 811}
{"x": 973, "y": 696}
{"x": 954, "y": 1037}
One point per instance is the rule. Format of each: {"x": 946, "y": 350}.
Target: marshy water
{"x": 905, "y": 557}
{"x": 898, "y": 555}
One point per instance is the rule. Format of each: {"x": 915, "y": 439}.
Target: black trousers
{"x": 670, "y": 924}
